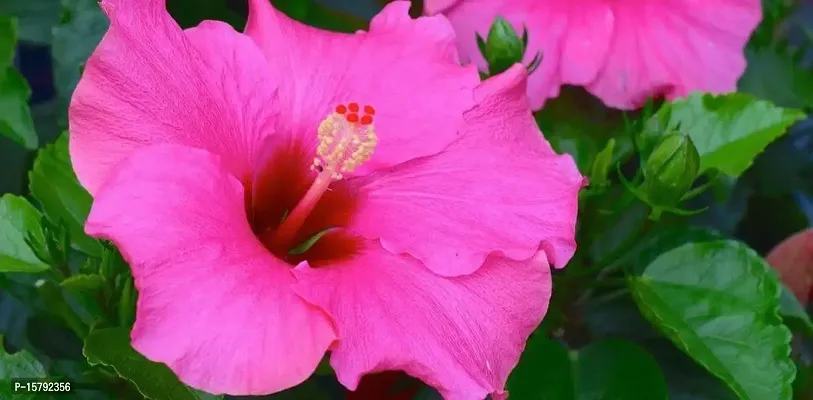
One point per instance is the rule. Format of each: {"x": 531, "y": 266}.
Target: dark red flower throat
{"x": 288, "y": 201}
{"x": 278, "y": 187}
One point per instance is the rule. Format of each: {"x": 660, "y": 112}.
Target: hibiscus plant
{"x": 438, "y": 199}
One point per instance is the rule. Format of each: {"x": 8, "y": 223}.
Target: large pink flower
{"x": 199, "y": 149}
{"x": 622, "y": 51}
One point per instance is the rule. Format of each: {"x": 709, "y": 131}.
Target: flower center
{"x": 346, "y": 140}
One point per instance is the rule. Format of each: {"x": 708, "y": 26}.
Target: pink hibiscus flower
{"x": 213, "y": 155}
{"x": 621, "y": 51}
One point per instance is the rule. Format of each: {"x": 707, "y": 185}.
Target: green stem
{"x": 126, "y": 303}
{"x": 609, "y": 283}
{"x": 606, "y": 298}
{"x": 52, "y": 296}
{"x": 63, "y": 268}
{"x": 611, "y": 262}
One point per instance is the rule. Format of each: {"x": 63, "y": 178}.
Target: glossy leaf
{"x": 609, "y": 369}
{"x": 718, "y": 303}
{"x": 729, "y": 131}
{"x": 15, "y": 115}
{"x": 615, "y": 315}
{"x": 111, "y": 347}
{"x": 86, "y": 290}
{"x": 82, "y": 283}
{"x": 53, "y": 184}
{"x": 21, "y": 364}
{"x": 19, "y": 220}
{"x": 685, "y": 378}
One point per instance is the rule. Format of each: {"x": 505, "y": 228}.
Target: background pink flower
{"x": 198, "y": 147}
{"x": 622, "y": 51}
{"x": 793, "y": 259}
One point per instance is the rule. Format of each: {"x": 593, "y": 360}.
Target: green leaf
{"x": 73, "y": 42}
{"x": 609, "y": 369}
{"x": 793, "y": 313}
{"x": 19, "y": 220}
{"x": 579, "y": 124}
{"x": 13, "y": 316}
{"x": 729, "y": 131}
{"x": 617, "y": 369}
{"x": 315, "y": 14}
{"x": 15, "y": 115}
{"x": 777, "y": 78}
{"x": 35, "y": 17}
{"x": 82, "y": 283}
{"x": 8, "y": 40}
{"x": 86, "y": 290}
{"x": 614, "y": 314}
{"x": 53, "y": 184}
{"x": 544, "y": 372}
{"x": 718, "y": 303}
{"x": 19, "y": 365}
{"x": 201, "y": 395}
{"x": 685, "y": 378}
{"x": 111, "y": 347}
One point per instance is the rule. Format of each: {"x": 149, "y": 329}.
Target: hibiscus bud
{"x": 793, "y": 260}
{"x": 503, "y": 47}
{"x": 670, "y": 170}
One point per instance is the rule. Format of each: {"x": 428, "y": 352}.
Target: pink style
{"x": 621, "y": 51}
{"x": 213, "y": 155}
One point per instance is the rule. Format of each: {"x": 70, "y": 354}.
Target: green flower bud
{"x": 503, "y": 47}
{"x": 670, "y": 170}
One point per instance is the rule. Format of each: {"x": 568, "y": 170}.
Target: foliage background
{"x": 770, "y": 201}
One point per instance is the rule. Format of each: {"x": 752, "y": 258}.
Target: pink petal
{"x": 498, "y": 187}
{"x": 149, "y": 82}
{"x": 213, "y": 304}
{"x": 622, "y": 51}
{"x": 461, "y": 335}
{"x": 715, "y": 35}
{"x": 407, "y": 69}
{"x": 476, "y": 17}
{"x": 634, "y": 69}
{"x": 432, "y": 7}
{"x": 586, "y": 42}
{"x": 674, "y": 49}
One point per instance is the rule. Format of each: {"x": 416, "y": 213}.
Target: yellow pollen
{"x": 344, "y": 145}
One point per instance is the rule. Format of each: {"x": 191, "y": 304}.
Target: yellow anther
{"x": 343, "y": 145}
